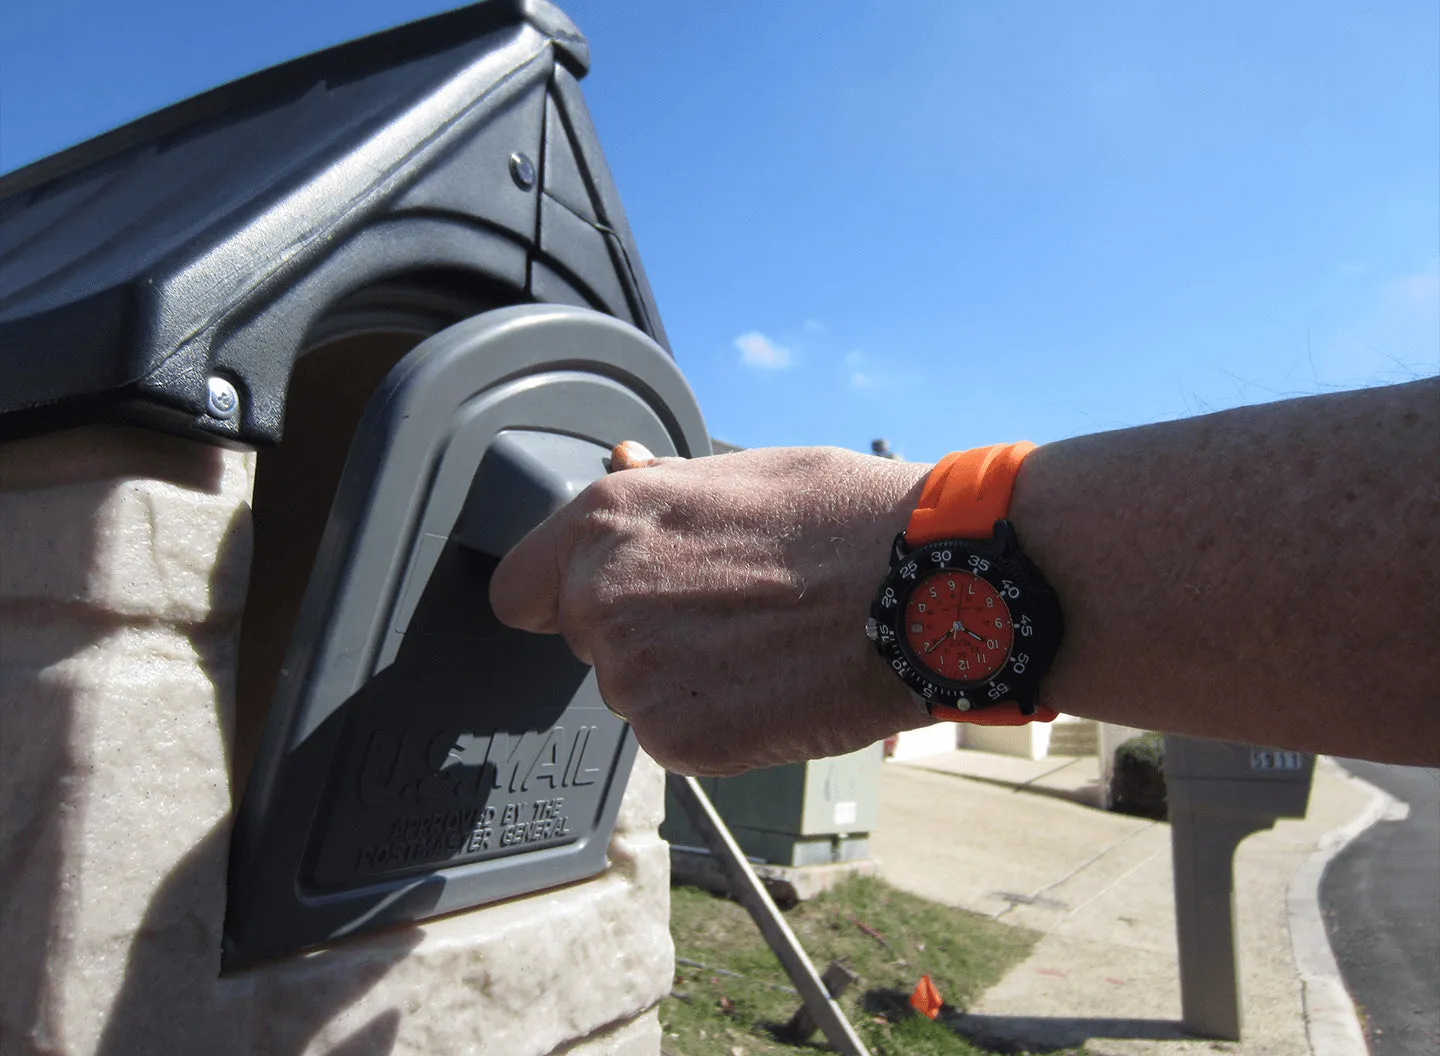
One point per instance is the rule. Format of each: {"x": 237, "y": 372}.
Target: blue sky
{"x": 947, "y": 224}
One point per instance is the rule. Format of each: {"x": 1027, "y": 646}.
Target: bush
{"x": 1137, "y": 783}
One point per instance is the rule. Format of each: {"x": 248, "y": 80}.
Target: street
{"x": 1381, "y": 902}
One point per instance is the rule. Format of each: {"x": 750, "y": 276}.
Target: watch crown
{"x": 872, "y": 629}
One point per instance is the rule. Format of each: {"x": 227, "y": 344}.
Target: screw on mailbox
{"x": 221, "y": 399}
{"x": 522, "y": 171}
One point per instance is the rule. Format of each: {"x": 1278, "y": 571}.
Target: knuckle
{"x": 621, "y": 680}
{"x": 683, "y": 747}
{"x": 604, "y": 495}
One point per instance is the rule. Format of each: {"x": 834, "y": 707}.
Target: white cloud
{"x": 814, "y": 326}
{"x": 866, "y": 372}
{"x": 757, "y": 350}
{"x": 1422, "y": 289}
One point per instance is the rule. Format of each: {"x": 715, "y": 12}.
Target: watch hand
{"x": 959, "y": 607}
{"x": 954, "y": 627}
{"x": 961, "y": 627}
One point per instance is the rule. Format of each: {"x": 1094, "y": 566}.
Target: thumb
{"x": 631, "y": 454}
{"x": 525, "y": 586}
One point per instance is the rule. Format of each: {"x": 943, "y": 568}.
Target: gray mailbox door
{"x": 419, "y": 757}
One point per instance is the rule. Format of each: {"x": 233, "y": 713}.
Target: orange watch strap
{"x": 966, "y": 493}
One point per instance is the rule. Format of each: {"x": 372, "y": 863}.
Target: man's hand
{"x": 1267, "y": 574}
{"x": 722, "y": 601}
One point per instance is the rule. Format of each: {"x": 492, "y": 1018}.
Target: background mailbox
{"x": 1221, "y": 778}
{"x": 1219, "y": 793}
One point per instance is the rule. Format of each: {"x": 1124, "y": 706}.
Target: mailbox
{"x": 420, "y": 757}
{"x": 400, "y": 269}
{"x": 1219, "y": 793}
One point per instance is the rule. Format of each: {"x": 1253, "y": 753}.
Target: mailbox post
{"x": 1219, "y": 793}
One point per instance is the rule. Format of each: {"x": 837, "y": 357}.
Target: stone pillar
{"x": 124, "y": 559}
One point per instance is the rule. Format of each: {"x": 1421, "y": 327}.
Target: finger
{"x": 525, "y": 586}
{"x": 630, "y": 454}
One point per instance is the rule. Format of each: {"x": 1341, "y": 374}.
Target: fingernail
{"x": 630, "y": 454}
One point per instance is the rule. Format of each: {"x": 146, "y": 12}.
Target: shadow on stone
{"x": 172, "y": 998}
{"x": 166, "y": 1005}
{"x": 377, "y": 1036}
{"x": 44, "y": 625}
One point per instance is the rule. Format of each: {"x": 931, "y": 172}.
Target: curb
{"x": 1331, "y": 1025}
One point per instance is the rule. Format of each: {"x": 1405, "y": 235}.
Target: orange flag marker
{"x": 926, "y": 999}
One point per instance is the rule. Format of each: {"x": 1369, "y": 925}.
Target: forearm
{"x": 1268, "y": 574}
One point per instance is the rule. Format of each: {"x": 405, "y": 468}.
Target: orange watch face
{"x": 958, "y": 626}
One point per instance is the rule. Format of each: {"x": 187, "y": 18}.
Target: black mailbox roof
{"x": 369, "y": 186}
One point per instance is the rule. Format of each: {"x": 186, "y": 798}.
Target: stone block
{"x": 124, "y": 561}
{"x": 643, "y": 807}
{"x": 636, "y": 1037}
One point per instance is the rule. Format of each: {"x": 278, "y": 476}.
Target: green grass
{"x": 713, "y": 1012}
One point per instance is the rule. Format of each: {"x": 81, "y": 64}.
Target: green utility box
{"x": 800, "y": 814}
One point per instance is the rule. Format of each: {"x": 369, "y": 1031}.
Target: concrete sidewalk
{"x": 1016, "y": 840}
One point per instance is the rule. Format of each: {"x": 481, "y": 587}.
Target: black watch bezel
{"x": 1030, "y": 599}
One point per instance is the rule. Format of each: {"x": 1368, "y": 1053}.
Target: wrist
{"x": 888, "y": 489}
{"x": 887, "y": 696}
{"x": 963, "y": 617}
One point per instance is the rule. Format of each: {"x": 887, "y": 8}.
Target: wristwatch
{"x": 963, "y": 616}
